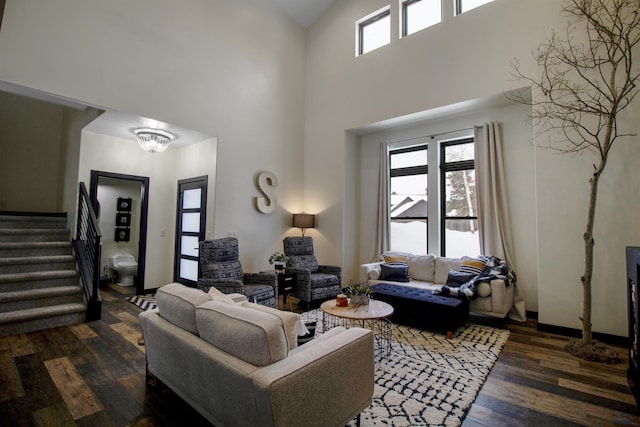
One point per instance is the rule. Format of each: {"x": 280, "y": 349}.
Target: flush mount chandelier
{"x": 153, "y": 140}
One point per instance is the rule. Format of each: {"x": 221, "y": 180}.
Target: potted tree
{"x": 278, "y": 260}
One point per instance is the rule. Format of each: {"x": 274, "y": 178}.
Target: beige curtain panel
{"x": 493, "y": 211}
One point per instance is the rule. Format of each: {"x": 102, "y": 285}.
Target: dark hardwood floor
{"x": 94, "y": 375}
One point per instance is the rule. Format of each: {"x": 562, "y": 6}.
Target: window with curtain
{"x": 459, "y": 213}
{"x": 448, "y": 198}
{"x": 408, "y": 170}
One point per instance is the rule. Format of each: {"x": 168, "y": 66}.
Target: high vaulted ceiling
{"x": 304, "y": 12}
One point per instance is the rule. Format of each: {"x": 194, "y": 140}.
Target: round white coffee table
{"x": 374, "y": 316}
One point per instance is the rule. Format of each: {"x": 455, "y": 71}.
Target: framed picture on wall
{"x": 124, "y": 204}
{"x": 122, "y": 235}
{"x": 123, "y": 219}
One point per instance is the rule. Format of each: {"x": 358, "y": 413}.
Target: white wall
{"x": 229, "y": 68}
{"x": 74, "y": 121}
{"x": 30, "y": 142}
{"x": 463, "y": 58}
{"x": 199, "y": 160}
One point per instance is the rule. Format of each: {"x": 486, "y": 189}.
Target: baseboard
{"x": 577, "y": 333}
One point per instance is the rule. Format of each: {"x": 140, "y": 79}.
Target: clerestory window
{"x": 463, "y": 6}
{"x": 373, "y": 31}
{"x": 420, "y": 14}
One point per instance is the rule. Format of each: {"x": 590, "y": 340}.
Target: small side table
{"x": 287, "y": 284}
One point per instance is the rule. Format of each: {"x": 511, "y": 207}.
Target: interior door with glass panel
{"x": 190, "y": 228}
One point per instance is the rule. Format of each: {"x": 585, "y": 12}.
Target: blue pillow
{"x": 455, "y": 279}
{"x": 396, "y": 271}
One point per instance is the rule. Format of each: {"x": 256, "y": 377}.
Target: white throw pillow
{"x": 483, "y": 289}
{"x": 374, "y": 274}
{"x": 422, "y": 267}
{"x": 217, "y": 295}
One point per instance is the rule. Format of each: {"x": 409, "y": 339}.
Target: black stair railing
{"x": 86, "y": 246}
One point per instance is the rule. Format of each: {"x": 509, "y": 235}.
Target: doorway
{"x": 98, "y": 178}
{"x": 190, "y": 228}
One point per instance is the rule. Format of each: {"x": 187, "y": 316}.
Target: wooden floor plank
{"x": 553, "y": 404}
{"x": 83, "y": 331}
{"x": 78, "y": 397}
{"x": 130, "y": 334}
{"x": 40, "y": 390}
{"x": 11, "y": 385}
{"x": 118, "y": 403}
{"x": 21, "y": 345}
{"x": 597, "y": 391}
{"x": 45, "y": 417}
{"x": 614, "y": 379}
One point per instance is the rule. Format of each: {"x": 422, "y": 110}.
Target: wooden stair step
{"x": 37, "y": 275}
{"x": 36, "y": 319}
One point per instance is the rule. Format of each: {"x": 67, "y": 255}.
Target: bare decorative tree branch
{"x": 587, "y": 79}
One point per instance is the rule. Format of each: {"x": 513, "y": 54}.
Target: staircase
{"x": 39, "y": 282}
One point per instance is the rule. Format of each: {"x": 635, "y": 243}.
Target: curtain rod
{"x": 432, "y": 136}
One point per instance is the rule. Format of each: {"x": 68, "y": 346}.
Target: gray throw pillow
{"x": 455, "y": 279}
{"x": 395, "y": 271}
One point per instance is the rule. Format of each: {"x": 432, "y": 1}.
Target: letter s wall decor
{"x": 267, "y": 182}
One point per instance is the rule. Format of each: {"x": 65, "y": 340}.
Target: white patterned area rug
{"x": 145, "y": 302}
{"x": 429, "y": 380}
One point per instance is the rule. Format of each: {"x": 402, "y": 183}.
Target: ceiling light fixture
{"x": 153, "y": 140}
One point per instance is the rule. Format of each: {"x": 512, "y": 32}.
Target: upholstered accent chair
{"x": 220, "y": 267}
{"x": 315, "y": 282}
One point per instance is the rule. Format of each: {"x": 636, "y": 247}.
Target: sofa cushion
{"x": 177, "y": 303}
{"x": 422, "y": 267}
{"x": 396, "y": 271}
{"x": 472, "y": 265}
{"x": 443, "y": 265}
{"x": 251, "y": 335}
{"x": 455, "y": 279}
{"x": 291, "y": 322}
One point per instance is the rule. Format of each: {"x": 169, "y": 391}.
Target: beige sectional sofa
{"x": 238, "y": 364}
{"x": 493, "y": 299}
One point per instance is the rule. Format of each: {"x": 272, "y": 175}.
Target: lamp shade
{"x": 304, "y": 220}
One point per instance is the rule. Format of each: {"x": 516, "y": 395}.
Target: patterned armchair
{"x": 220, "y": 267}
{"x": 315, "y": 282}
